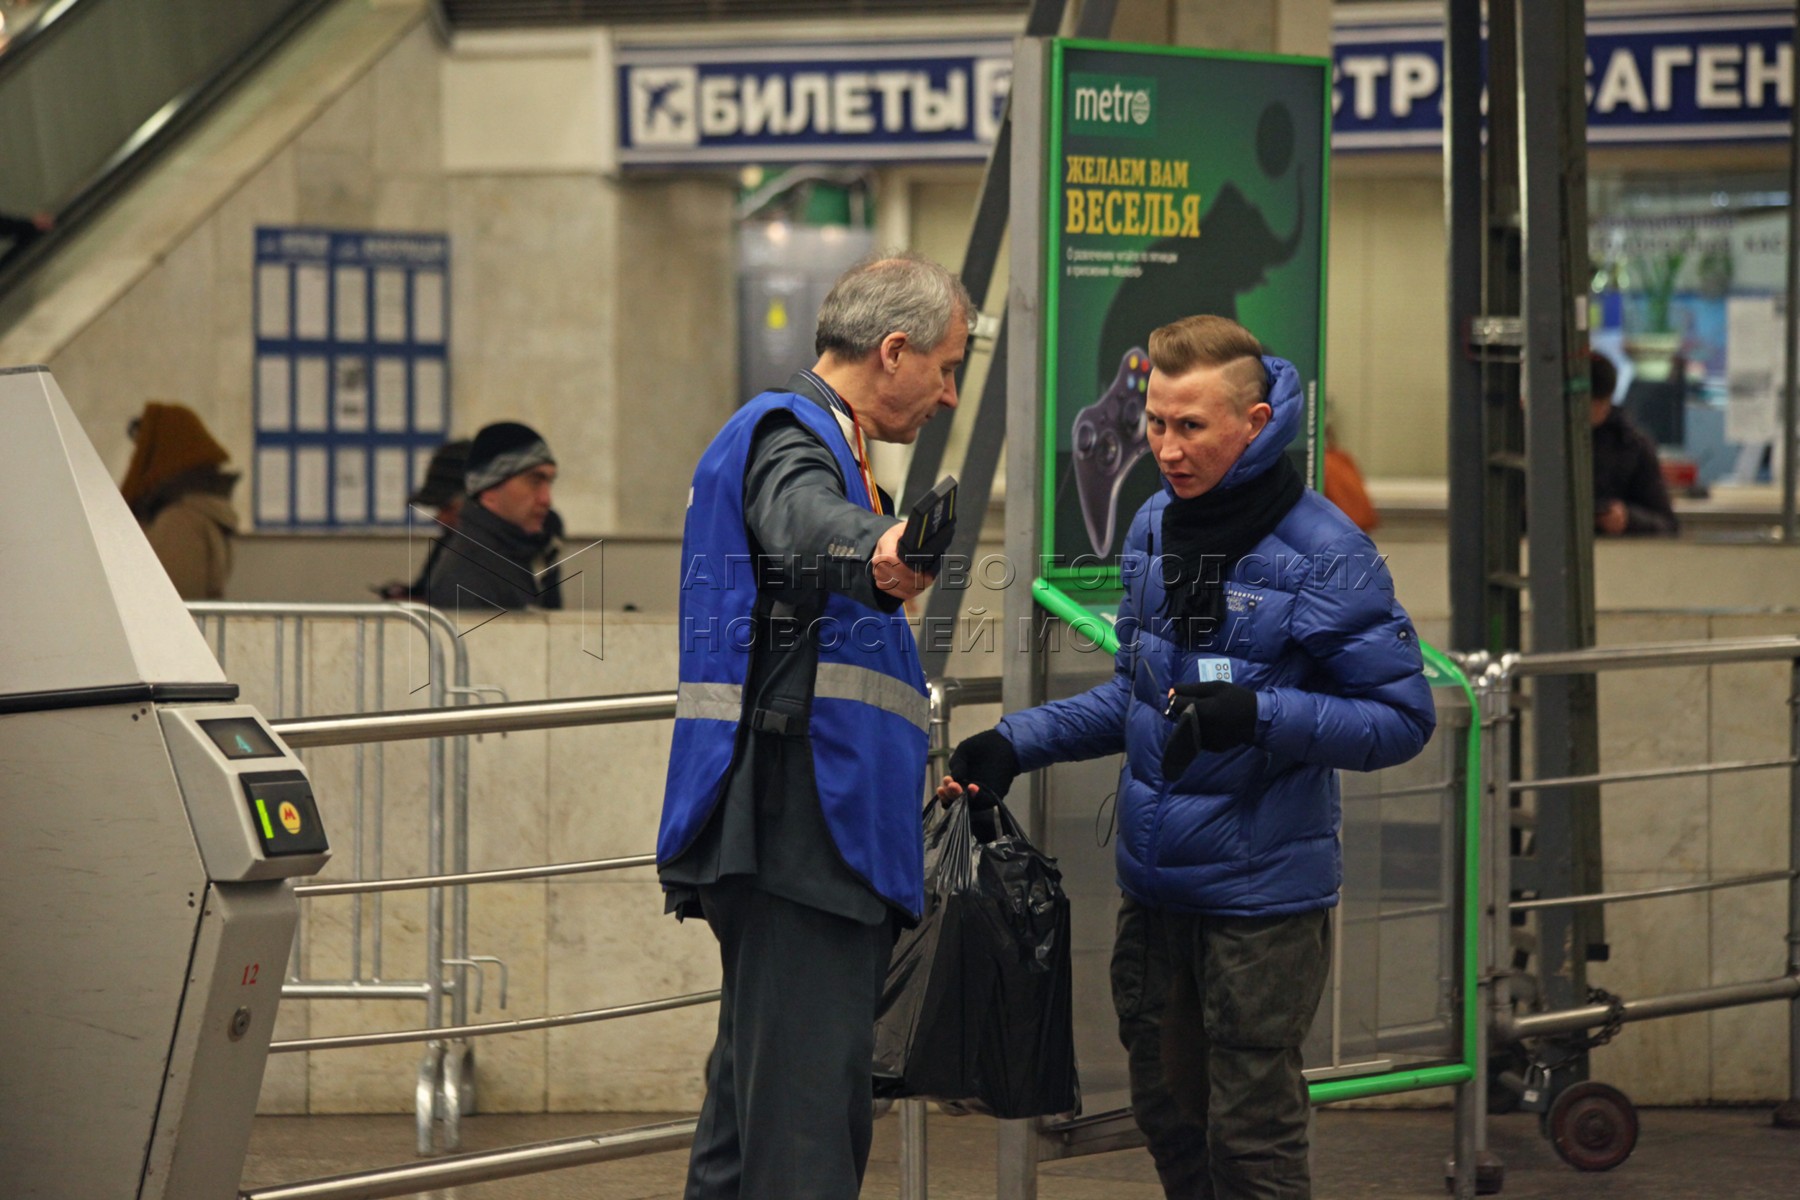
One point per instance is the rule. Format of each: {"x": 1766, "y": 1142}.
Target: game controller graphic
{"x": 1109, "y": 439}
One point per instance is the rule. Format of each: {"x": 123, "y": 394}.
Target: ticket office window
{"x": 1689, "y": 272}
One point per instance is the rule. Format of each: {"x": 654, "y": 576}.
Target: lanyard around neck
{"x": 862, "y": 460}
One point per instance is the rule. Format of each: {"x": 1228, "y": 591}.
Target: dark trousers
{"x": 788, "y": 1109}
{"x": 1212, "y": 1012}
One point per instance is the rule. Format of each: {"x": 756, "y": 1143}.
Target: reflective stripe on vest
{"x": 709, "y": 702}
{"x": 867, "y": 715}
{"x": 836, "y": 681}
{"x": 842, "y": 681}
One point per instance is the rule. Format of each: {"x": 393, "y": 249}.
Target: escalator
{"x": 94, "y": 91}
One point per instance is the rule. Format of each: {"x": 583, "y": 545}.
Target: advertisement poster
{"x": 1182, "y": 182}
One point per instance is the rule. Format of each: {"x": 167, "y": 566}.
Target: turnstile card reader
{"x": 152, "y": 828}
{"x": 247, "y": 797}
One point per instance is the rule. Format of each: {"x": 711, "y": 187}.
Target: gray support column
{"x": 1790, "y": 397}
{"x": 987, "y": 441}
{"x": 1463, "y": 279}
{"x": 1501, "y": 517}
{"x": 1553, "y": 174}
{"x": 1787, "y": 1115}
{"x": 1022, "y": 671}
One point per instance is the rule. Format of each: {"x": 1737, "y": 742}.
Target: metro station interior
{"x": 326, "y": 886}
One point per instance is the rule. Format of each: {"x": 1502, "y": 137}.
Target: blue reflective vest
{"x": 868, "y": 710}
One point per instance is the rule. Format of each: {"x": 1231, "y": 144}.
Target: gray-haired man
{"x": 791, "y": 816}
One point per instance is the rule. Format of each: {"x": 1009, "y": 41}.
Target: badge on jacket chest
{"x": 1212, "y": 670}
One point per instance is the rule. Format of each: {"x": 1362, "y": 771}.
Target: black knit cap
{"x": 502, "y": 450}
{"x": 444, "y": 477}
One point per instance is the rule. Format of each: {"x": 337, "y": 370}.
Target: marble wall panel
{"x": 336, "y": 187}
{"x": 508, "y": 772}
{"x": 676, "y": 280}
{"x": 507, "y": 920}
{"x": 405, "y": 126}
{"x": 373, "y": 1079}
{"x": 606, "y": 788}
{"x": 606, "y": 781}
{"x": 144, "y": 348}
{"x": 1751, "y": 721}
{"x": 411, "y": 203}
{"x": 1655, "y": 826}
{"x": 285, "y": 1076}
{"x": 609, "y": 943}
{"x": 532, "y": 321}
{"x": 266, "y": 198}
{"x": 604, "y": 653}
{"x": 367, "y": 1079}
{"x": 346, "y": 124}
{"x": 1749, "y": 1045}
{"x": 1658, "y": 946}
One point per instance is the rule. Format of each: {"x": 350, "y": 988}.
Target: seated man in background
{"x": 1629, "y": 493}
{"x": 501, "y": 552}
{"x": 182, "y": 499}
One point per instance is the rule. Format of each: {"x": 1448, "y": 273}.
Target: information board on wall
{"x": 1181, "y": 182}
{"x": 351, "y": 388}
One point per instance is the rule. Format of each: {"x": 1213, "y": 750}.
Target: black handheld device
{"x": 930, "y": 524}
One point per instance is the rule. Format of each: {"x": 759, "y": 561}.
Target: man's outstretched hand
{"x": 889, "y": 570}
{"x": 984, "y": 766}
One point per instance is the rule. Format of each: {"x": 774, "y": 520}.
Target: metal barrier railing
{"x": 1494, "y": 682}
{"x": 410, "y": 1178}
{"x": 441, "y": 1094}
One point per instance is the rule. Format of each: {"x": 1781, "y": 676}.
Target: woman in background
{"x": 182, "y": 499}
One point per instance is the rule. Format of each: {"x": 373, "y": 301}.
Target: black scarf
{"x": 1203, "y": 538}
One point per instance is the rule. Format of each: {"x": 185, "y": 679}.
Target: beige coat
{"x": 192, "y": 537}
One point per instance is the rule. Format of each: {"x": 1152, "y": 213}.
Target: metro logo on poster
{"x": 663, "y": 106}
{"x": 1113, "y": 105}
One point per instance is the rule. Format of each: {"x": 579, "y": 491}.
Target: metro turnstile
{"x": 150, "y": 827}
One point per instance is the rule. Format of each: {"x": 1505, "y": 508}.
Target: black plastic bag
{"x": 977, "y": 1004}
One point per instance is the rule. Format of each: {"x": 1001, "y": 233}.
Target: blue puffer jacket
{"x": 1313, "y": 628}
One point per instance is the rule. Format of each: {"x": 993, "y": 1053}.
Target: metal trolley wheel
{"x": 1593, "y": 1126}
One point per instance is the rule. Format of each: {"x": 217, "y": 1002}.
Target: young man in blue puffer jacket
{"x": 1260, "y": 651}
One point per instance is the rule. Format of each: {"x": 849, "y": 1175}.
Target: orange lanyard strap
{"x": 862, "y": 462}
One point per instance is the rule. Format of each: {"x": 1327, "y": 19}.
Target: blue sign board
{"x": 879, "y": 101}
{"x": 352, "y": 380}
{"x": 1657, "y": 76}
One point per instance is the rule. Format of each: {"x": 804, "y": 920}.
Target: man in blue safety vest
{"x": 791, "y": 815}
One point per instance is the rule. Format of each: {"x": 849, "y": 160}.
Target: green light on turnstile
{"x": 262, "y": 810}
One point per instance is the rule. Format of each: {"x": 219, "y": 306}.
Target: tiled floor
{"x": 1682, "y": 1154}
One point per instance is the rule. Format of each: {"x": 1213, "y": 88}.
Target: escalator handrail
{"x": 48, "y": 24}
{"x": 146, "y": 142}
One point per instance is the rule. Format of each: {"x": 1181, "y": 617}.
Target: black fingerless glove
{"x": 1209, "y": 716}
{"x": 986, "y": 766}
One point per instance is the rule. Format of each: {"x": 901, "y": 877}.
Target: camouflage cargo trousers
{"x": 1212, "y": 1012}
